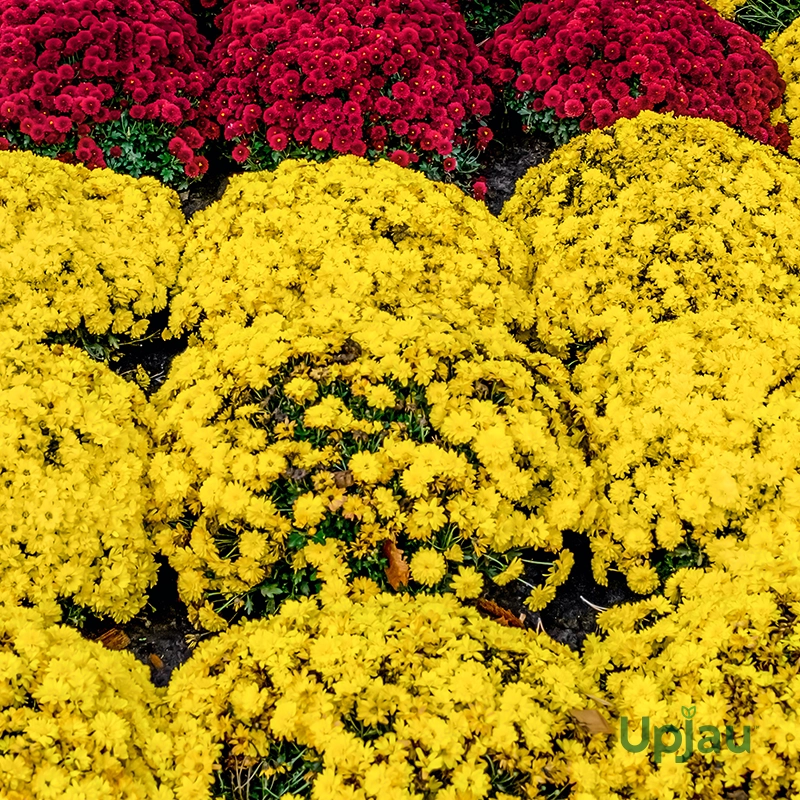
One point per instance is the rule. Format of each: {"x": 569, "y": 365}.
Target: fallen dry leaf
{"x": 114, "y": 639}
{"x": 591, "y": 720}
{"x": 398, "y": 571}
{"x": 343, "y": 479}
{"x": 156, "y": 661}
{"x": 502, "y": 615}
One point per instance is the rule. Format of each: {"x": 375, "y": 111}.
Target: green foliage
{"x": 544, "y": 121}
{"x": 686, "y": 554}
{"x": 105, "y": 347}
{"x": 484, "y": 17}
{"x": 764, "y": 17}
{"x": 144, "y": 145}
{"x": 288, "y": 769}
{"x": 264, "y": 157}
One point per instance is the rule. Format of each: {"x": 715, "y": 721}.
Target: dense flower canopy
{"x": 85, "y": 255}
{"x": 659, "y": 215}
{"x": 575, "y": 65}
{"x": 75, "y": 449}
{"x": 400, "y": 79}
{"x": 76, "y": 719}
{"x": 79, "y": 78}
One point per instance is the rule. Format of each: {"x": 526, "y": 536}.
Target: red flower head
{"x": 320, "y": 139}
{"x": 241, "y": 152}
{"x": 400, "y": 157}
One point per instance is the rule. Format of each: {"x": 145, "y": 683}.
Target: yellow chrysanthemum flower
{"x": 428, "y": 567}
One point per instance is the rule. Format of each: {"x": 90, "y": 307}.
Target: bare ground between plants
{"x": 161, "y": 635}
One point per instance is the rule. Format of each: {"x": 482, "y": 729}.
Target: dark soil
{"x": 569, "y": 618}
{"x": 210, "y": 187}
{"x": 158, "y": 635}
{"x": 153, "y": 354}
{"x": 508, "y": 157}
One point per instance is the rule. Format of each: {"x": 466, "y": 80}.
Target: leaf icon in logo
{"x": 688, "y": 711}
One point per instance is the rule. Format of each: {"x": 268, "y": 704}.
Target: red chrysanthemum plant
{"x": 401, "y": 79}
{"x": 117, "y": 83}
{"x": 573, "y": 65}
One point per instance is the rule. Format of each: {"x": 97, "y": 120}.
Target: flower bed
{"x": 397, "y": 426}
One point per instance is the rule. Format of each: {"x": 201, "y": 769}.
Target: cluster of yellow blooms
{"x": 344, "y": 236}
{"x": 784, "y": 47}
{"x": 661, "y": 215}
{"x": 727, "y": 8}
{"x": 693, "y": 426}
{"x": 82, "y": 248}
{"x": 77, "y": 721}
{"x": 386, "y": 403}
{"x": 74, "y": 450}
{"x": 387, "y": 696}
{"x": 719, "y": 648}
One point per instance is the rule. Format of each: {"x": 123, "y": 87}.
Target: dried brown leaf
{"x": 591, "y": 720}
{"x": 398, "y": 571}
{"x": 156, "y": 661}
{"x": 114, "y": 639}
{"x": 502, "y": 615}
{"x": 343, "y": 480}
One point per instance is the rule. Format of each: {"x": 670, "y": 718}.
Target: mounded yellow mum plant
{"x": 369, "y": 398}
{"x": 727, "y": 8}
{"x": 343, "y": 235}
{"x": 77, "y": 720}
{"x": 662, "y": 214}
{"x": 693, "y": 425}
{"x": 717, "y": 654}
{"x": 784, "y": 47}
{"x": 83, "y": 251}
{"x": 73, "y": 494}
{"x": 391, "y": 697}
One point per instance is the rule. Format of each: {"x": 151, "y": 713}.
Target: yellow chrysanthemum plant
{"x": 784, "y": 47}
{"x": 693, "y": 428}
{"x": 347, "y": 234}
{"x": 727, "y": 8}
{"x": 380, "y": 696}
{"x": 74, "y": 446}
{"x": 86, "y": 256}
{"x": 380, "y": 401}
{"x": 660, "y": 215}
{"x": 77, "y": 720}
{"x": 715, "y": 656}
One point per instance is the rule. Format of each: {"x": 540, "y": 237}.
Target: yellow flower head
{"x": 428, "y": 567}
{"x": 468, "y": 583}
